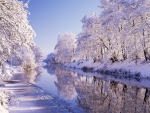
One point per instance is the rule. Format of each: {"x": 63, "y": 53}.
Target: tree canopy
{"x": 16, "y": 33}
{"x": 120, "y": 32}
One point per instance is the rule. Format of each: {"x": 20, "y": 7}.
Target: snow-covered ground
{"x": 5, "y": 96}
{"x": 28, "y": 98}
{"x": 4, "y": 100}
{"x": 19, "y": 96}
{"x": 9, "y": 71}
{"x": 128, "y": 66}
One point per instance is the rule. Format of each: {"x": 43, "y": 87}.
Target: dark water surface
{"x": 97, "y": 93}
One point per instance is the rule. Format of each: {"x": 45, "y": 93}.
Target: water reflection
{"x": 99, "y": 95}
{"x": 50, "y": 69}
{"x": 65, "y": 83}
{"x": 33, "y": 75}
{"x": 111, "y": 97}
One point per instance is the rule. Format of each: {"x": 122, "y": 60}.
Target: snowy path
{"x": 32, "y": 99}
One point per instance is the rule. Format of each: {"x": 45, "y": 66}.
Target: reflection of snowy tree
{"x": 110, "y": 97}
{"x": 65, "y": 83}
{"x": 33, "y": 75}
{"x": 50, "y": 69}
{"x": 38, "y": 76}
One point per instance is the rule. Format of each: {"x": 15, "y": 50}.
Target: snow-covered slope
{"x": 130, "y": 67}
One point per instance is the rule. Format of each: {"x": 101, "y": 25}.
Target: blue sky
{"x": 52, "y": 17}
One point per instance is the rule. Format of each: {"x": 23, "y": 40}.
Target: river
{"x": 86, "y": 92}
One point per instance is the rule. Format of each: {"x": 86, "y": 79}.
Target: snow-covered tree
{"x": 15, "y": 30}
{"x": 120, "y": 32}
{"x": 65, "y": 48}
{"x": 29, "y": 62}
{"x": 50, "y": 58}
{"x": 37, "y": 53}
{"x": 90, "y": 43}
{"x": 15, "y": 61}
{"x": 138, "y": 27}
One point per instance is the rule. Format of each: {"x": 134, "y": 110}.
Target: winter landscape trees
{"x": 16, "y": 32}
{"x": 65, "y": 48}
{"x": 17, "y": 47}
{"x": 120, "y": 32}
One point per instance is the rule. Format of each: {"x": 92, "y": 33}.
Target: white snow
{"x": 117, "y": 34}
{"x": 143, "y": 68}
{"x": 4, "y": 98}
{"x": 2, "y": 110}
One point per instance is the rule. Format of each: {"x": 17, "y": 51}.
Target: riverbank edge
{"x": 125, "y": 69}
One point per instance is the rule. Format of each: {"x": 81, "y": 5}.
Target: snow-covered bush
{"x": 29, "y": 61}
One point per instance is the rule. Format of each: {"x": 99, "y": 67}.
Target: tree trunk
{"x": 145, "y": 55}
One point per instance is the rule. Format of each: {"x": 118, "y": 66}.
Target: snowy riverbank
{"x": 123, "y": 68}
{"x": 5, "y": 96}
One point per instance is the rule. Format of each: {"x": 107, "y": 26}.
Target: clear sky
{"x": 52, "y": 17}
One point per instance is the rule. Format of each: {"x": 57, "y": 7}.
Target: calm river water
{"x": 94, "y": 92}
